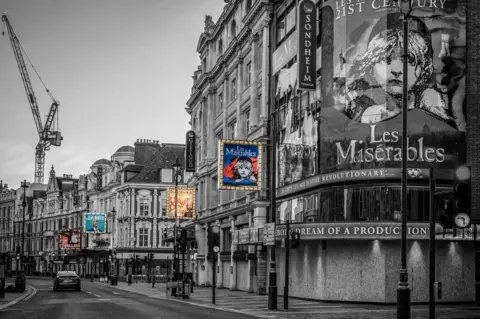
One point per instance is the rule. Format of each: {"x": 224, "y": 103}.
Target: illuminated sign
{"x": 240, "y": 165}
{"x": 69, "y": 239}
{"x": 185, "y": 202}
{"x": 190, "y": 151}
{"x": 94, "y": 223}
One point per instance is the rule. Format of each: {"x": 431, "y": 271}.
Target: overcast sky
{"x": 121, "y": 70}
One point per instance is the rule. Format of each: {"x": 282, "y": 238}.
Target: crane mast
{"x": 46, "y": 136}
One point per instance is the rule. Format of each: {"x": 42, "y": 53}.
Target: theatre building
{"x": 339, "y": 150}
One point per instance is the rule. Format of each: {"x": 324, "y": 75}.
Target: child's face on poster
{"x": 244, "y": 169}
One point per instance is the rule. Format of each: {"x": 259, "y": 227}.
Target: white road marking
{"x": 97, "y": 295}
{"x": 88, "y": 292}
{"x": 116, "y": 293}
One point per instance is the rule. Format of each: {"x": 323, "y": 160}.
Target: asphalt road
{"x": 100, "y": 302}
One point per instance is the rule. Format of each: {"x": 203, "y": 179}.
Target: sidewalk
{"x": 12, "y": 298}
{"x": 257, "y": 305}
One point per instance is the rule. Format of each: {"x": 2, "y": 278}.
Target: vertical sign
{"x": 190, "y": 152}
{"x": 75, "y": 193}
{"x": 99, "y": 178}
{"x": 307, "y": 45}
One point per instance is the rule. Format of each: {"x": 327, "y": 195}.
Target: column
{"x": 254, "y": 114}
{"x": 233, "y": 263}
{"x": 250, "y": 263}
{"x": 219, "y": 261}
{"x": 265, "y": 62}
{"x": 155, "y": 214}
{"x": 223, "y": 194}
{"x": 211, "y": 124}
{"x": 240, "y": 121}
{"x": 208, "y": 267}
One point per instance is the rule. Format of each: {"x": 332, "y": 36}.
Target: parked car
{"x": 66, "y": 279}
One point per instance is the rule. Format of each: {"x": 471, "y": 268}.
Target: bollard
{"x": 153, "y": 282}
{"x": 191, "y": 286}
{"x": 2, "y": 288}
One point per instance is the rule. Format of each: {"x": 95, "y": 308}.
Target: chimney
{"x": 145, "y": 150}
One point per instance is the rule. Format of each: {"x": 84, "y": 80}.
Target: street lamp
{"x": 113, "y": 214}
{"x": 24, "y": 204}
{"x": 403, "y": 290}
{"x": 177, "y": 171}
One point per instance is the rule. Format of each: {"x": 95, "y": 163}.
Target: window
{"x": 219, "y": 104}
{"x": 234, "y": 89}
{"x": 204, "y": 64}
{"x": 248, "y": 6}
{"x": 143, "y": 236}
{"x": 144, "y": 207}
{"x": 233, "y": 29}
{"x": 219, "y": 136}
{"x": 220, "y": 47}
{"x": 232, "y": 130}
{"x": 227, "y": 239}
{"x": 260, "y": 56}
{"x": 248, "y": 77}
{"x": 167, "y": 175}
{"x": 246, "y": 118}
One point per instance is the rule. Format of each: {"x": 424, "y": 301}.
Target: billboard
{"x": 185, "y": 202}
{"x": 307, "y": 45}
{"x": 362, "y": 85}
{"x": 240, "y": 165}
{"x": 298, "y": 142}
{"x": 69, "y": 239}
{"x": 94, "y": 223}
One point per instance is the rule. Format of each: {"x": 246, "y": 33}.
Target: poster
{"x": 362, "y": 85}
{"x": 70, "y": 239}
{"x": 297, "y": 147}
{"x": 185, "y": 202}
{"x": 94, "y": 223}
{"x": 240, "y": 165}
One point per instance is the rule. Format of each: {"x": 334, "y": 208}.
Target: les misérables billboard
{"x": 362, "y": 85}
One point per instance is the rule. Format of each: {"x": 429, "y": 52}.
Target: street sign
{"x": 462, "y": 220}
{"x": 269, "y": 234}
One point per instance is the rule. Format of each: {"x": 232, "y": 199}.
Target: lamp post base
{"x": 404, "y": 310}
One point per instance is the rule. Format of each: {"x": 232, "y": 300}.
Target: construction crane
{"x": 47, "y": 136}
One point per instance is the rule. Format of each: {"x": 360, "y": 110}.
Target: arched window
{"x": 233, "y": 29}
{"x": 220, "y": 47}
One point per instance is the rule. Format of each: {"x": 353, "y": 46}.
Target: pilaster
{"x": 233, "y": 263}
{"x": 254, "y": 112}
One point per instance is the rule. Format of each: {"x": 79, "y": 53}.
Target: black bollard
{"x": 153, "y": 282}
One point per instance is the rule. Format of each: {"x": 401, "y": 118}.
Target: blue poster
{"x": 94, "y": 223}
{"x": 240, "y": 165}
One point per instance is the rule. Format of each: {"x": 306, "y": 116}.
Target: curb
{"x": 192, "y": 303}
{"x": 22, "y": 297}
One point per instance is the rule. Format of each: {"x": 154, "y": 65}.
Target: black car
{"x": 66, "y": 279}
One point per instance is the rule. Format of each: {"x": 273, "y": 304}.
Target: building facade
{"x": 338, "y": 147}
{"x": 229, "y": 101}
{"x": 7, "y": 211}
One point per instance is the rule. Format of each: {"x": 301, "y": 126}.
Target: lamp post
{"x": 403, "y": 290}
{"x": 113, "y": 214}
{"x": 177, "y": 171}
{"x": 24, "y": 204}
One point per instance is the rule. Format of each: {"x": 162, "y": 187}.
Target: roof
{"x": 133, "y": 168}
{"x": 103, "y": 161}
{"x": 126, "y": 148}
{"x": 165, "y": 158}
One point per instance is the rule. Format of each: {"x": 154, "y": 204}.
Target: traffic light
{"x": 462, "y": 196}
{"x": 145, "y": 259}
{"x": 295, "y": 240}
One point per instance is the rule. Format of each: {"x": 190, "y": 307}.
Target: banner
{"x": 362, "y": 85}
{"x": 185, "y": 202}
{"x": 70, "y": 239}
{"x": 307, "y": 45}
{"x": 94, "y": 223}
{"x": 297, "y": 147}
{"x": 240, "y": 165}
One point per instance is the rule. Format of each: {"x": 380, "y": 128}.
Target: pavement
{"x": 11, "y": 298}
{"x": 257, "y": 305}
